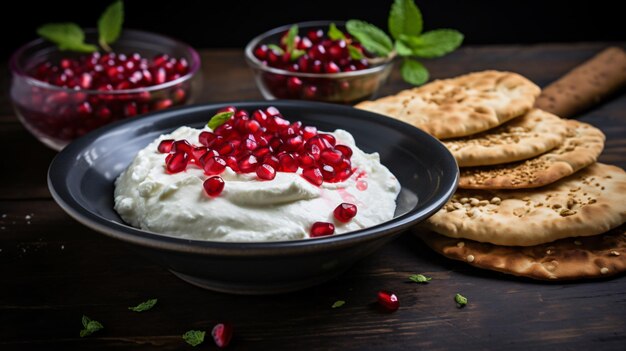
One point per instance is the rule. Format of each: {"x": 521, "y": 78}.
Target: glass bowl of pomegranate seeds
{"x": 312, "y": 66}
{"x": 62, "y": 95}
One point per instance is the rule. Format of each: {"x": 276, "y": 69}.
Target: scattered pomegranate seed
{"x": 214, "y": 165}
{"x": 222, "y": 334}
{"x": 388, "y": 300}
{"x": 321, "y": 229}
{"x": 346, "y": 151}
{"x": 165, "y": 146}
{"x": 213, "y": 185}
{"x": 177, "y": 163}
{"x": 266, "y": 172}
{"x": 345, "y": 212}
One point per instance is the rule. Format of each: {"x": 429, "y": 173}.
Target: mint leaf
{"x": 371, "y": 37}
{"x": 334, "y": 33}
{"x": 460, "y": 300}
{"x": 404, "y": 18}
{"x": 276, "y": 48}
{"x": 67, "y": 36}
{"x": 420, "y": 278}
{"x": 90, "y": 326}
{"x": 291, "y": 38}
{"x": 338, "y": 304}
{"x": 110, "y": 24}
{"x": 296, "y": 54}
{"x": 355, "y": 53}
{"x": 219, "y": 119}
{"x": 144, "y": 306}
{"x": 413, "y": 72}
{"x": 403, "y": 49}
{"x": 194, "y": 337}
{"x": 434, "y": 43}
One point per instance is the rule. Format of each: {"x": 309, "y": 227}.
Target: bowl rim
{"x": 17, "y": 70}
{"x": 255, "y": 63}
{"x": 61, "y": 194}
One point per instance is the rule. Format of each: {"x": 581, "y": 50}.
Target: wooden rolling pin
{"x": 585, "y": 85}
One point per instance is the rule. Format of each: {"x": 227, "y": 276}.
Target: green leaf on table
{"x": 355, "y": 53}
{"x": 404, "y": 18}
{"x": 276, "y": 49}
{"x": 89, "y": 326}
{"x": 338, "y": 304}
{"x": 420, "y": 278}
{"x": 110, "y": 24}
{"x": 219, "y": 119}
{"x": 144, "y": 306}
{"x": 414, "y": 72}
{"x": 290, "y": 43}
{"x": 371, "y": 37}
{"x": 334, "y": 33}
{"x": 67, "y": 36}
{"x": 460, "y": 300}
{"x": 194, "y": 337}
{"x": 434, "y": 43}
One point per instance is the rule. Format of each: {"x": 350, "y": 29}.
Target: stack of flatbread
{"x": 532, "y": 201}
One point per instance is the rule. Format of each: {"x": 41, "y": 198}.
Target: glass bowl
{"x": 342, "y": 87}
{"x": 57, "y": 115}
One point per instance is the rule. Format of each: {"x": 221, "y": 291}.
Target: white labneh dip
{"x": 249, "y": 209}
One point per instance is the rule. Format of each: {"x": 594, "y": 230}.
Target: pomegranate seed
{"x": 294, "y": 143}
{"x": 260, "y": 117}
{"x": 266, "y": 172}
{"x": 182, "y": 146}
{"x": 309, "y": 132}
{"x": 177, "y": 163}
{"x": 329, "y": 138}
{"x": 213, "y": 186}
{"x": 205, "y": 138}
{"x": 287, "y": 163}
{"x": 328, "y": 172}
{"x": 214, "y": 165}
{"x": 306, "y": 161}
{"x": 345, "y": 212}
{"x": 388, "y": 300}
{"x": 162, "y": 104}
{"x": 251, "y": 144}
{"x": 230, "y": 108}
{"x": 248, "y": 164}
{"x": 231, "y": 161}
{"x": 321, "y": 229}
{"x": 165, "y": 146}
{"x": 222, "y": 334}
{"x": 332, "y": 67}
{"x": 261, "y": 152}
{"x": 253, "y": 126}
{"x": 130, "y": 109}
{"x": 261, "y": 52}
{"x": 226, "y": 149}
{"x": 331, "y": 156}
{"x": 346, "y": 151}
{"x": 313, "y": 175}
{"x": 272, "y": 111}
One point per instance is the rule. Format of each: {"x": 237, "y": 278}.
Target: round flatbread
{"x": 589, "y": 202}
{"x": 582, "y": 146}
{"x": 595, "y": 256}
{"x": 460, "y": 106}
{"x": 522, "y": 138}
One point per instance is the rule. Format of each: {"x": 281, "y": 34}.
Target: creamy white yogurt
{"x": 249, "y": 209}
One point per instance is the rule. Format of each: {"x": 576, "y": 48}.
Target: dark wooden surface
{"x": 53, "y": 270}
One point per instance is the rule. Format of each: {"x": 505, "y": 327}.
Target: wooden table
{"x": 54, "y": 270}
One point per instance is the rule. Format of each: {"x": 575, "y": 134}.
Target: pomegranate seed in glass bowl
{"x": 61, "y": 95}
{"x": 324, "y": 72}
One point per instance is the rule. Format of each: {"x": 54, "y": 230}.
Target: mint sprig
{"x": 110, "y": 24}
{"x": 194, "y": 337}
{"x": 89, "y": 326}
{"x": 144, "y": 306}
{"x": 69, "y": 36}
{"x": 219, "y": 119}
{"x": 405, "y": 25}
{"x": 335, "y": 33}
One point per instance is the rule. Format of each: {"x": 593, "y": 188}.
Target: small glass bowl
{"x": 342, "y": 87}
{"x": 57, "y": 115}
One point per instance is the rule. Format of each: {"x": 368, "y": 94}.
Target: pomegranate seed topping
{"x": 213, "y": 185}
{"x": 214, "y": 165}
{"x": 313, "y": 175}
{"x": 321, "y": 229}
{"x": 251, "y": 144}
{"x": 309, "y": 132}
{"x": 306, "y": 161}
{"x": 294, "y": 143}
{"x": 328, "y": 172}
{"x": 177, "y": 163}
{"x": 165, "y": 146}
{"x": 272, "y": 111}
{"x": 331, "y": 156}
{"x": 345, "y": 212}
{"x": 271, "y": 160}
{"x": 205, "y": 138}
{"x": 345, "y": 150}
{"x": 287, "y": 163}
{"x": 182, "y": 146}
{"x": 222, "y": 334}
{"x": 266, "y": 172}
{"x": 388, "y": 300}
{"x": 248, "y": 164}
{"x": 231, "y": 161}
{"x": 329, "y": 138}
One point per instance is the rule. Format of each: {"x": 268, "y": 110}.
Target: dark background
{"x": 206, "y": 24}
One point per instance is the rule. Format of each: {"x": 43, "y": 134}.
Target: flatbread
{"x": 582, "y": 146}
{"x": 460, "y": 106}
{"x": 589, "y": 202}
{"x": 595, "y": 256}
{"x": 530, "y": 135}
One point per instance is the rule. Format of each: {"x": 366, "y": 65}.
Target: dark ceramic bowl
{"x": 81, "y": 181}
